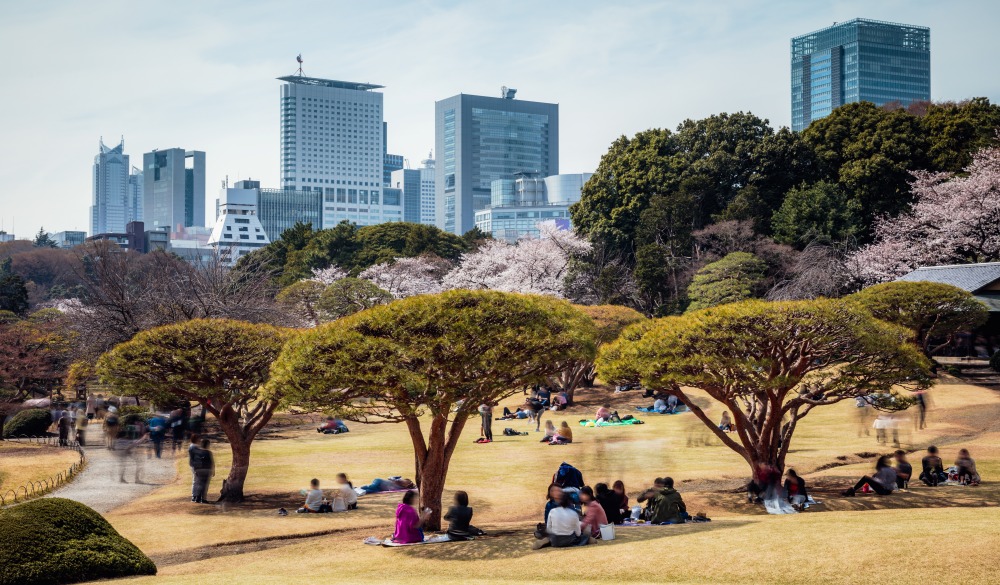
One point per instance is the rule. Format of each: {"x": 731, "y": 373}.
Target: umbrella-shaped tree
{"x": 221, "y": 364}
{"x": 429, "y": 361}
{"x": 770, "y": 365}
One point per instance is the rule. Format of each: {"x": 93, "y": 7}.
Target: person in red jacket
{"x": 593, "y": 513}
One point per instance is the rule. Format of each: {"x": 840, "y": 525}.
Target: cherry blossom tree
{"x": 328, "y": 275}
{"x": 533, "y": 265}
{"x": 954, "y": 219}
{"x": 407, "y": 277}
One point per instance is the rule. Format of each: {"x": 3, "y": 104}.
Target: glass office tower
{"x": 483, "y": 139}
{"x": 859, "y": 60}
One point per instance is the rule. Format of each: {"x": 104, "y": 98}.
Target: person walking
{"x": 157, "y": 434}
{"x": 63, "y": 424}
{"x": 486, "y": 413}
{"x": 203, "y": 468}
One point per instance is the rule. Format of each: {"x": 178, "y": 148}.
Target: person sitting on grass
{"x": 603, "y": 414}
{"x": 726, "y": 424}
{"x": 520, "y": 413}
{"x": 409, "y": 522}
{"x": 459, "y": 517}
{"x": 562, "y": 528}
{"x": 903, "y": 469}
{"x": 795, "y": 487}
{"x": 610, "y": 501}
{"x": 649, "y": 496}
{"x": 593, "y": 513}
{"x": 393, "y": 484}
{"x": 315, "y": 503}
{"x": 563, "y": 436}
{"x": 883, "y": 482}
{"x": 550, "y": 431}
{"x": 332, "y": 426}
{"x": 344, "y": 496}
{"x": 967, "y": 474}
{"x": 932, "y": 468}
{"x": 668, "y": 506}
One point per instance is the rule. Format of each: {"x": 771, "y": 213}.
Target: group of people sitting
{"x": 332, "y": 426}
{"x": 410, "y": 521}
{"x": 341, "y": 498}
{"x": 557, "y": 436}
{"x": 662, "y": 404}
{"x": 889, "y": 477}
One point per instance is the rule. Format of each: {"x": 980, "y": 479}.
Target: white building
{"x": 332, "y": 142}
{"x": 517, "y": 206}
{"x": 114, "y": 202}
{"x": 237, "y": 230}
{"x": 416, "y": 188}
{"x": 427, "y": 197}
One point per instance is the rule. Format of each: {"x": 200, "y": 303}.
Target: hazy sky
{"x": 201, "y": 74}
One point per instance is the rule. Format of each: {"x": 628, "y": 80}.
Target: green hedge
{"x": 33, "y": 422}
{"x": 53, "y": 541}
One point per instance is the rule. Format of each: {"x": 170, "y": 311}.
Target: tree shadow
{"x": 516, "y": 544}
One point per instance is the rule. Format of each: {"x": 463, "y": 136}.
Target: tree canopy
{"x": 769, "y": 365}
{"x": 932, "y": 311}
{"x": 221, "y": 364}
{"x": 736, "y": 277}
{"x": 431, "y": 360}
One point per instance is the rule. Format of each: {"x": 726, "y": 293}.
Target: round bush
{"x": 33, "y": 422}
{"x": 53, "y": 540}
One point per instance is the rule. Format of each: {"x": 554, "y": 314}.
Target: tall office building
{"x": 427, "y": 194}
{"x": 482, "y": 139}
{"x": 133, "y": 194}
{"x": 174, "y": 189}
{"x": 332, "y": 142}
{"x": 114, "y": 203}
{"x": 859, "y": 60}
{"x": 408, "y": 183}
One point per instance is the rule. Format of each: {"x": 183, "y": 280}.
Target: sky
{"x": 200, "y": 75}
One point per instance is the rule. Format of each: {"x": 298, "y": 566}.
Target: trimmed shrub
{"x": 131, "y": 414}
{"x": 33, "y": 422}
{"x": 995, "y": 362}
{"x": 54, "y": 540}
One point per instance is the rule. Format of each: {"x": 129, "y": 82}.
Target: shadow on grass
{"x": 515, "y": 544}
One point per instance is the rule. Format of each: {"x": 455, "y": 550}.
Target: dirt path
{"x": 101, "y": 486}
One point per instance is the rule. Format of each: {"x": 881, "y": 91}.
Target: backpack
{"x": 568, "y": 476}
{"x": 202, "y": 459}
{"x": 111, "y": 420}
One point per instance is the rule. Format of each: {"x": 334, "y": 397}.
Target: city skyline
{"x": 613, "y": 70}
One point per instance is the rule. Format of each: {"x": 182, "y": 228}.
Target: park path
{"x": 99, "y": 485}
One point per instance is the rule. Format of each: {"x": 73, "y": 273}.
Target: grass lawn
{"x": 948, "y": 532}
{"x": 24, "y": 462}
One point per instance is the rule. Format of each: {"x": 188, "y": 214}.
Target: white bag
{"x": 607, "y": 531}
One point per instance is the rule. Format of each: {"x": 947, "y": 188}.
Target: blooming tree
{"x": 407, "y": 277}
{"x": 533, "y": 265}
{"x": 328, "y": 275}
{"x": 954, "y": 220}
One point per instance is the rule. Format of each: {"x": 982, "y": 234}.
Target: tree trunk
{"x": 432, "y": 460}
{"x": 432, "y": 487}
{"x": 232, "y": 487}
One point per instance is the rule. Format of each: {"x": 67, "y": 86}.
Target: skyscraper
{"x": 427, "y": 194}
{"x": 481, "y": 139}
{"x": 859, "y": 60}
{"x": 332, "y": 143}
{"x": 174, "y": 189}
{"x": 114, "y": 203}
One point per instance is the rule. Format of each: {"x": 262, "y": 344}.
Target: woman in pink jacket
{"x": 593, "y": 514}
{"x": 408, "y": 521}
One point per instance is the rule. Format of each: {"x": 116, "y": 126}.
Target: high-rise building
{"x": 859, "y": 60}
{"x": 481, "y": 139}
{"x": 114, "y": 203}
{"x": 173, "y": 189}
{"x": 408, "y": 183}
{"x": 332, "y": 143}
{"x": 237, "y": 230}
{"x": 517, "y": 206}
{"x": 133, "y": 195}
{"x": 427, "y": 194}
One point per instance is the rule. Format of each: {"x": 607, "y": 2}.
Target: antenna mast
{"x": 299, "y": 60}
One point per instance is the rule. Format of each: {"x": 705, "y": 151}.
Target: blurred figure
{"x": 863, "y": 416}
{"x": 63, "y": 425}
{"x": 129, "y": 451}
{"x": 932, "y": 472}
{"x": 880, "y": 425}
{"x": 203, "y": 468}
{"x": 81, "y": 429}
{"x": 91, "y": 406}
{"x": 882, "y": 482}
{"x": 178, "y": 425}
{"x": 892, "y": 426}
{"x": 903, "y": 470}
{"x": 921, "y": 398}
{"x": 111, "y": 427}
{"x": 726, "y": 424}
{"x": 795, "y": 488}
{"x": 157, "y": 434}
{"x": 967, "y": 473}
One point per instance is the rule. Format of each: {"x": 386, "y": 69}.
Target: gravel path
{"x": 100, "y": 485}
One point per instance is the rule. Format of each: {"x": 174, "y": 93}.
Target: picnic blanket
{"x": 680, "y": 408}
{"x": 624, "y": 423}
{"x": 389, "y": 542}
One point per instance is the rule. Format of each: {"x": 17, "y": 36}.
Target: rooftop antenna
{"x": 299, "y": 60}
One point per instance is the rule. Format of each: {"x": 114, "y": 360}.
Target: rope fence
{"x": 35, "y": 489}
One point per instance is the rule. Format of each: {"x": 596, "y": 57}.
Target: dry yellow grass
{"x": 24, "y": 462}
{"x": 949, "y": 531}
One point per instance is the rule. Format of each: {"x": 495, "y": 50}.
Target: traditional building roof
{"x": 968, "y": 277}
